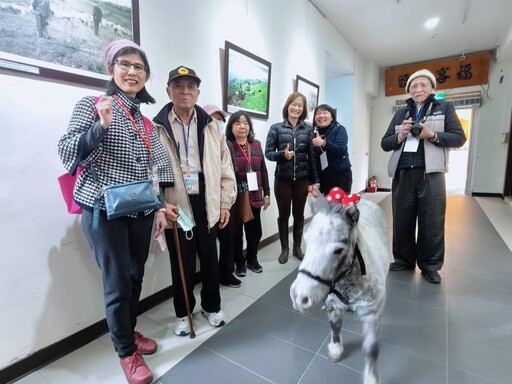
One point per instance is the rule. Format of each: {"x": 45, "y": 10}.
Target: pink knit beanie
{"x": 115, "y": 47}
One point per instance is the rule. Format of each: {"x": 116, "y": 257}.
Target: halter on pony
{"x": 339, "y": 196}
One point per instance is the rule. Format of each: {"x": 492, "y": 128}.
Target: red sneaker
{"x": 144, "y": 345}
{"x": 136, "y": 370}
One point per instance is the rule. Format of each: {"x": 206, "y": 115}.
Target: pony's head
{"x": 331, "y": 239}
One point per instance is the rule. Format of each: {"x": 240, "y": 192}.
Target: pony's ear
{"x": 352, "y": 214}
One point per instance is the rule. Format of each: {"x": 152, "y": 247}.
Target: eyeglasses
{"x": 126, "y": 65}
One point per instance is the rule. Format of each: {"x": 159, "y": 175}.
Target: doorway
{"x": 457, "y": 175}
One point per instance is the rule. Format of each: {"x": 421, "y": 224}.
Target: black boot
{"x": 298, "y": 227}
{"x": 283, "y": 238}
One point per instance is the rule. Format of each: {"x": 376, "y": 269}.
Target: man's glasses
{"x": 126, "y": 65}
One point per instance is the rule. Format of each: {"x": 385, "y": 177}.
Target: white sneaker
{"x": 216, "y": 319}
{"x": 182, "y": 328}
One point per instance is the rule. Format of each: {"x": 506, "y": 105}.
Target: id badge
{"x": 411, "y": 144}
{"x": 252, "y": 181}
{"x": 153, "y": 176}
{"x": 323, "y": 160}
{"x": 191, "y": 181}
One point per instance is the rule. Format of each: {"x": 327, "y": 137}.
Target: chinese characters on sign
{"x": 450, "y": 73}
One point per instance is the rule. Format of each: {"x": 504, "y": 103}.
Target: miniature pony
{"x": 345, "y": 268}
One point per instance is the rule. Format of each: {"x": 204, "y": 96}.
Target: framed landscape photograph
{"x": 311, "y": 91}
{"x": 246, "y": 82}
{"x": 64, "y": 40}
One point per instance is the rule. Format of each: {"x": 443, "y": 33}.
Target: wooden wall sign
{"x": 449, "y": 73}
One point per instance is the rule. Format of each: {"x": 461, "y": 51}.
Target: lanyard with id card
{"x": 252, "y": 178}
{"x": 323, "y": 160}
{"x": 191, "y": 177}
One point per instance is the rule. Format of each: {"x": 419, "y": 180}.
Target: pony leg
{"x": 371, "y": 351}
{"x": 335, "y": 347}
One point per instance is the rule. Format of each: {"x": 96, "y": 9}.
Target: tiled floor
{"x": 459, "y": 332}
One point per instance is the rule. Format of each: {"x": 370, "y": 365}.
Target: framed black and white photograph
{"x": 311, "y": 91}
{"x": 247, "y": 82}
{"x": 64, "y": 39}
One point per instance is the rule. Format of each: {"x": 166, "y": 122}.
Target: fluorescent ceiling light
{"x": 431, "y": 23}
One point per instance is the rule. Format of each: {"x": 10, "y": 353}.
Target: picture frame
{"x": 71, "y": 51}
{"x": 311, "y": 91}
{"x": 246, "y": 83}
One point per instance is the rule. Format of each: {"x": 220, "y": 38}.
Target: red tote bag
{"x": 67, "y": 186}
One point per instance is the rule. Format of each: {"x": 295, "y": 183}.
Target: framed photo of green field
{"x": 246, "y": 82}
{"x": 64, "y": 40}
{"x": 311, "y": 91}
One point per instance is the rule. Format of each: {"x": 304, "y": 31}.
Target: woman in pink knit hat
{"x": 115, "y": 144}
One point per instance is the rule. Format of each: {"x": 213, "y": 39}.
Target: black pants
{"x": 419, "y": 197}
{"x": 253, "y": 233}
{"x": 204, "y": 244}
{"x": 329, "y": 180}
{"x": 290, "y": 192}
{"x": 121, "y": 248}
{"x": 226, "y": 238}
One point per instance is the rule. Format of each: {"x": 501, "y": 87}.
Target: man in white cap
{"x": 420, "y": 136}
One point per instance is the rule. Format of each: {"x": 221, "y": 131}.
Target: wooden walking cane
{"x": 183, "y": 281}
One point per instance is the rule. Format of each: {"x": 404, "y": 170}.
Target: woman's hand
{"x": 104, "y": 108}
{"x": 266, "y": 202}
{"x": 287, "y": 153}
{"x": 160, "y": 223}
{"x": 318, "y": 141}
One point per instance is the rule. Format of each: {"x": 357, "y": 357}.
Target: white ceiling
{"x": 391, "y": 32}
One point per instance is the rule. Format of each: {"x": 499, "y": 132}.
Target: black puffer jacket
{"x": 300, "y": 166}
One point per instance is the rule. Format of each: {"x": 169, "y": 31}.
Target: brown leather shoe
{"x": 144, "y": 345}
{"x": 136, "y": 370}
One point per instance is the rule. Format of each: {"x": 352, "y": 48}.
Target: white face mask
{"x": 220, "y": 124}
{"x": 185, "y": 222}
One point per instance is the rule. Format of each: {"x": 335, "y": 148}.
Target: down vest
{"x": 300, "y": 166}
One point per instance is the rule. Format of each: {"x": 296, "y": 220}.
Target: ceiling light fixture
{"x": 431, "y": 23}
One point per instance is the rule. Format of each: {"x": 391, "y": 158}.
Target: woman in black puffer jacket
{"x": 289, "y": 143}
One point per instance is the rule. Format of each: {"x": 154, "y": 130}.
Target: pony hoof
{"x": 335, "y": 352}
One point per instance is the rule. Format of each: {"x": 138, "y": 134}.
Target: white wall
{"x": 491, "y": 122}
{"x": 51, "y": 287}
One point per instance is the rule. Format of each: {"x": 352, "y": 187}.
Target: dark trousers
{"x": 290, "y": 192}
{"x": 419, "y": 197}
{"x": 226, "y": 238}
{"x": 253, "y": 233}
{"x": 204, "y": 245}
{"x": 329, "y": 180}
{"x": 121, "y": 248}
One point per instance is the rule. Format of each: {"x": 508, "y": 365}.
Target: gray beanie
{"x": 421, "y": 73}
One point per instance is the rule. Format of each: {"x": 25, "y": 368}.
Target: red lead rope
{"x": 145, "y": 138}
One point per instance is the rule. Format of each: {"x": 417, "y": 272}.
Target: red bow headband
{"x": 338, "y": 195}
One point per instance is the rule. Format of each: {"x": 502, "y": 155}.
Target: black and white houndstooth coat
{"x": 113, "y": 156}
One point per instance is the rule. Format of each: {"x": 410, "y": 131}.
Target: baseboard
{"x": 485, "y": 194}
{"x": 61, "y": 348}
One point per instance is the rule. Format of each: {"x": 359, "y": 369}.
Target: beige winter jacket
{"x": 219, "y": 176}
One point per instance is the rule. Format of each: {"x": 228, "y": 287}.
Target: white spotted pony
{"x": 345, "y": 268}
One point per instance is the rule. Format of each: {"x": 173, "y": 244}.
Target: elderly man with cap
{"x": 108, "y": 136}
{"x": 420, "y": 136}
{"x": 204, "y": 190}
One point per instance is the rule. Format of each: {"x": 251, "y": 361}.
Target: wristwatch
{"x": 266, "y": 197}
